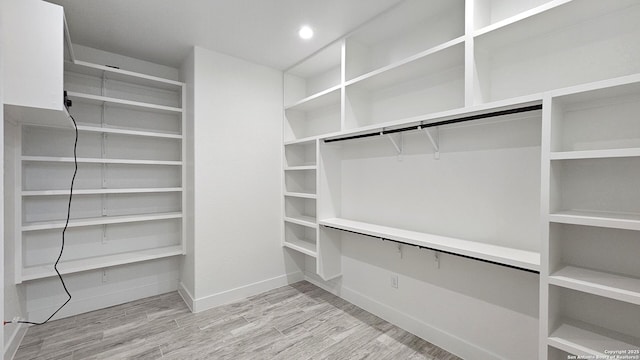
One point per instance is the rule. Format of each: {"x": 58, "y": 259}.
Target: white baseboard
{"x": 12, "y": 345}
{"x": 417, "y": 327}
{"x": 186, "y": 296}
{"x": 242, "y": 292}
{"x": 80, "y": 306}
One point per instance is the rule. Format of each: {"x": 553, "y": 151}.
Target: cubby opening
{"x": 296, "y": 155}
{"x": 597, "y": 120}
{"x": 302, "y": 181}
{"x": 577, "y": 329}
{"x": 604, "y": 187}
{"x": 301, "y": 238}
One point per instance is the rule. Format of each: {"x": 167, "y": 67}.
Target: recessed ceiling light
{"x": 305, "y": 32}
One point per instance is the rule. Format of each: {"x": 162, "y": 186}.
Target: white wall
{"x": 237, "y": 137}
{"x": 2, "y": 282}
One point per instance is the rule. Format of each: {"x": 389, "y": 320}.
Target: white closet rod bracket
{"x": 434, "y": 139}
{"x": 397, "y": 145}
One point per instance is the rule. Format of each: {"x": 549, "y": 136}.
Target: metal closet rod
{"x": 440, "y": 123}
{"x": 437, "y": 250}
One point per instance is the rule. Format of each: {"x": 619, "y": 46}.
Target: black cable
{"x": 64, "y": 230}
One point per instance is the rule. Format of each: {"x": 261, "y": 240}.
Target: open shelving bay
{"x": 128, "y": 195}
{"x": 558, "y": 186}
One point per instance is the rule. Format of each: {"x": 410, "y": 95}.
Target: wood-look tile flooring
{"x": 300, "y": 321}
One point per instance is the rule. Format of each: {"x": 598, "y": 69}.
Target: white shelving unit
{"x": 128, "y": 196}
{"x": 424, "y": 62}
{"x": 593, "y": 158}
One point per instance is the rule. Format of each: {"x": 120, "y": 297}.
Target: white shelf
{"x": 597, "y": 218}
{"x": 300, "y": 195}
{"x": 128, "y": 132}
{"x": 431, "y": 61}
{"x": 97, "y": 70}
{"x": 322, "y": 99}
{"x": 99, "y": 191}
{"x": 307, "y": 221}
{"x": 104, "y": 220}
{"x": 577, "y": 340}
{"x": 301, "y": 167}
{"x": 305, "y": 247}
{"x": 521, "y": 16}
{"x": 97, "y": 99}
{"x": 101, "y": 161}
{"x": 306, "y": 140}
{"x": 594, "y": 154}
{"x": 74, "y": 266}
{"x": 499, "y": 254}
{"x": 545, "y": 19}
{"x": 609, "y": 285}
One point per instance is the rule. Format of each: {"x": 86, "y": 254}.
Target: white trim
{"x": 242, "y": 292}
{"x": 450, "y": 342}
{"x": 186, "y": 296}
{"x": 11, "y": 347}
{"x": 332, "y": 286}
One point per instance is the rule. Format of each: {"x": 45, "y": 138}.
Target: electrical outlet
{"x": 394, "y": 281}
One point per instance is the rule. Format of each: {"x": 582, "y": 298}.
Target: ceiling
{"x": 261, "y": 31}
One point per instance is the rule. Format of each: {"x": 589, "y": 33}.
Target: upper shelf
{"x": 97, "y": 99}
{"x": 96, "y": 70}
{"x": 544, "y": 19}
{"x": 597, "y": 218}
{"x": 522, "y": 259}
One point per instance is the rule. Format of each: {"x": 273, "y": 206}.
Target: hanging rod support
{"x": 398, "y": 145}
{"x": 434, "y": 141}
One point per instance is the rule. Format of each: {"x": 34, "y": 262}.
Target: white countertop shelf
{"x": 307, "y": 221}
{"x": 97, "y": 99}
{"x": 585, "y": 340}
{"x": 103, "y": 220}
{"x": 101, "y": 161}
{"x": 619, "y": 287}
{"x": 527, "y": 260}
{"x": 100, "y": 191}
{"x": 100, "y": 262}
{"x": 597, "y": 218}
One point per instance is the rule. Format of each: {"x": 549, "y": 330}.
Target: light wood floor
{"x": 300, "y": 321}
